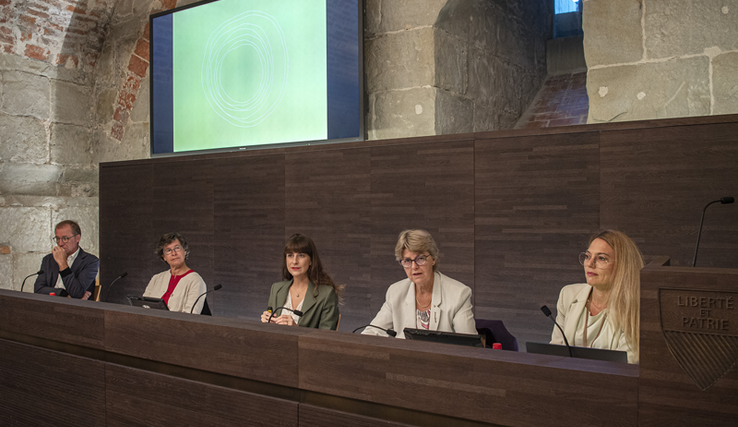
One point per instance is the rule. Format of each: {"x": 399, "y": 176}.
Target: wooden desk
{"x": 69, "y": 362}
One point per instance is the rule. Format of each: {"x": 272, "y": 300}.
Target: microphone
{"x": 297, "y": 312}
{"x": 724, "y": 201}
{"x": 124, "y": 274}
{"x": 547, "y": 312}
{"x": 215, "y": 288}
{"x": 34, "y": 274}
{"x": 389, "y": 332}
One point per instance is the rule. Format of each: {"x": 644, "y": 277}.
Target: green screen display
{"x": 249, "y": 73}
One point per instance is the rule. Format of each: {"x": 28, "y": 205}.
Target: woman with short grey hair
{"x": 427, "y": 299}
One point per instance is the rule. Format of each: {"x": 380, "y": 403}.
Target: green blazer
{"x": 320, "y": 308}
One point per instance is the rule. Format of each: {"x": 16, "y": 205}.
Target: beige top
{"x": 570, "y": 314}
{"x": 188, "y": 289}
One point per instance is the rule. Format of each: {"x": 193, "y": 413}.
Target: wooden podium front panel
{"x": 497, "y": 387}
{"x": 46, "y": 387}
{"x": 137, "y": 397}
{"x": 226, "y": 346}
{"x": 667, "y": 395}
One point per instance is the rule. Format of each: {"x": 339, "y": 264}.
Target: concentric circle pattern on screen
{"x": 250, "y": 30}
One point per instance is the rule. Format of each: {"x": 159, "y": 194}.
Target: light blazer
{"x": 451, "y": 308}
{"x": 77, "y": 280}
{"x": 571, "y": 308}
{"x": 320, "y": 307}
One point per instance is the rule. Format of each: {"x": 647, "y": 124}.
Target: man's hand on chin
{"x": 60, "y": 256}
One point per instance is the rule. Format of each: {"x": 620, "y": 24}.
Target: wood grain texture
{"x": 182, "y": 198}
{"x": 327, "y": 197}
{"x": 42, "y": 387}
{"x": 249, "y": 220}
{"x": 666, "y": 394}
{"x": 429, "y": 185}
{"x": 170, "y": 401}
{"x": 68, "y": 320}
{"x": 315, "y": 416}
{"x": 246, "y": 349}
{"x": 510, "y": 211}
{"x": 656, "y": 182}
{"x": 537, "y": 203}
{"x": 488, "y": 386}
{"x": 126, "y": 241}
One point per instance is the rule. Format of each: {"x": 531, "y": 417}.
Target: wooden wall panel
{"x": 140, "y": 398}
{"x": 126, "y": 208}
{"x": 655, "y": 183}
{"x": 510, "y": 210}
{"x": 182, "y": 194}
{"x": 45, "y": 387}
{"x": 537, "y": 203}
{"x": 428, "y": 185}
{"x": 249, "y": 212}
{"x": 327, "y": 197}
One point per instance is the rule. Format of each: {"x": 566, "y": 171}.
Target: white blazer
{"x": 451, "y": 308}
{"x": 570, "y": 311}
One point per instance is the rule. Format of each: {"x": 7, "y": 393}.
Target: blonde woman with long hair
{"x": 604, "y": 312}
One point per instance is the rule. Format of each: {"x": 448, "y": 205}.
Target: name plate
{"x": 701, "y": 331}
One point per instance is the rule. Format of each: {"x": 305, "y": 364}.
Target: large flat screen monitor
{"x": 240, "y": 74}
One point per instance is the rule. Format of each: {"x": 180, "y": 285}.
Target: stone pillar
{"x": 651, "y": 59}
{"x": 452, "y": 66}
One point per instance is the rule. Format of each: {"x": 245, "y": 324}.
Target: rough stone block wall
{"x": 48, "y": 53}
{"x": 651, "y": 59}
{"x": 441, "y": 67}
{"x": 491, "y": 61}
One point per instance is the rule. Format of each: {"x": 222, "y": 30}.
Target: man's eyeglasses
{"x": 173, "y": 250}
{"x": 420, "y": 261}
{"x": 62, "y": 239}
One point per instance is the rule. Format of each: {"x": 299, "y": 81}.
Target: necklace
{"x": 421, "y": 306}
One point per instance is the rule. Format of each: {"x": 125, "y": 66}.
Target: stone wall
{"x": 456, "y": 66}
{"x": 651, "y": 59}
{"x": 49, "y": 53}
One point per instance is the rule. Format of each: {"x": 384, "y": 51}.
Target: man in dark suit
{"x": 68, "y": 270}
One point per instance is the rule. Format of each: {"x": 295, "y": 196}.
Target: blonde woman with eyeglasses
{"x": 427, "y": 299}
{"x": 604, "y": 312}
{"x": 179, "y": 286}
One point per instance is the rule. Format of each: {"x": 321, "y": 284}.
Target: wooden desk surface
{"x": 173, "y": 360}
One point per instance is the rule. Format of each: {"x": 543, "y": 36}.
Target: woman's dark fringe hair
{"x": 301, "y": 244}
{"x": 168, "y": 238}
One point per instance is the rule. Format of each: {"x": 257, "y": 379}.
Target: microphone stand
{"x": 724, "y": 201}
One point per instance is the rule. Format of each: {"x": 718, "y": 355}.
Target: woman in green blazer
{"x": 306, "y": 288}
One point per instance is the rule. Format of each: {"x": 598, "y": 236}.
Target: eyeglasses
{"x": 62, "y": 239}
{"x": 420, "y": 261}
{"x": 600, "y": 261}
{"x": 173, "y": 250}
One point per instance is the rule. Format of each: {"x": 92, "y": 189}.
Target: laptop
{"x": 472, "y": 340}
{"x": 147, "y": 302}
{"x": 578, "y": 352}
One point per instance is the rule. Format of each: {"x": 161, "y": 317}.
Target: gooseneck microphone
{"x": 389, "y": 332}
{"x": 547, "y": 312}
{"x": 215, "y": 288}
{"x": 34, "y": 274}
{"x": 297, "y": 312}
{"x": 124, "y": 274}
{"x": 724, "y": 201}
